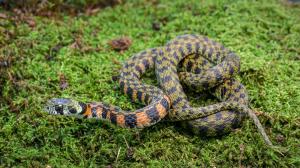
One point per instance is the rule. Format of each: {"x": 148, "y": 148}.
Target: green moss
{"x": 70, "y": 6}
{"x": 265, "y": 34}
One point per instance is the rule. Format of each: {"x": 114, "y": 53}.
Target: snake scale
{"x": 205, "y": 65}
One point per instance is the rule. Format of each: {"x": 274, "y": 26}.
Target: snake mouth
{"x": 54, "y": 110}
{"x": 62, "y": 106}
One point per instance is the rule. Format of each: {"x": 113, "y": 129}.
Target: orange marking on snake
{"x": 161, "y": 110}
{"x": 99, "y": 111}
{"x": 108, "y": 115}
{"x": 88, "y": 111}
{"x": 121, "y": 120}
{"x": 142, "y": 119}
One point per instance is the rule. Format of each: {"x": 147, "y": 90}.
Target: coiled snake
{"x": 205, "y": 64}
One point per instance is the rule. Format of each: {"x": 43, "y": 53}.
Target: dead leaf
{"x": 129, "y": 153}
{"x": 115, "y": 61}
{"x": 120, "y": 44}
{"x": 87, "y": 49}
{"x": 115, "y": 77}
{"x": 3, "y": 16}
{"x": 77, "y": 44}
{"x": 258, "y": 113}
{"x": 4, "y": 63}
{"x": 17, "y": 11}
{"x": 280, "y": 138}
{"x": 156, "y": 26}
{"x": 63, "y": 84}
{"x": 91, "y": 11}
{"x": 31, "y": 23}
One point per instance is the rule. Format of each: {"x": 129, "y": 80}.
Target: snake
{"x": 158, "y": 105}
{"x": 207, "y": 65}
{"x": 218, "y": 65}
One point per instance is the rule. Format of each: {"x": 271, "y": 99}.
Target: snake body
{"x": 205, "y": 124}
{"x": 226, "y": 64}
{"x": 206, "y": 65}
{"x": 229, "y": 90}
{"x": 212, "y": 67}
{"x": 157, "y": 107}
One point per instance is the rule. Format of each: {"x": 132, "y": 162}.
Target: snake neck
{"x": 140, "y": 118}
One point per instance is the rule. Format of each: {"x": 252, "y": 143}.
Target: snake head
{"x": 64, "y": 106}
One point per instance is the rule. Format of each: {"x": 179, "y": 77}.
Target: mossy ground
{"x": 265, "y": 34}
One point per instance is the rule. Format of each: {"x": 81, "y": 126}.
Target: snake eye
{"x": 59, "y": 110}
{"x": 72, "y": 110}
